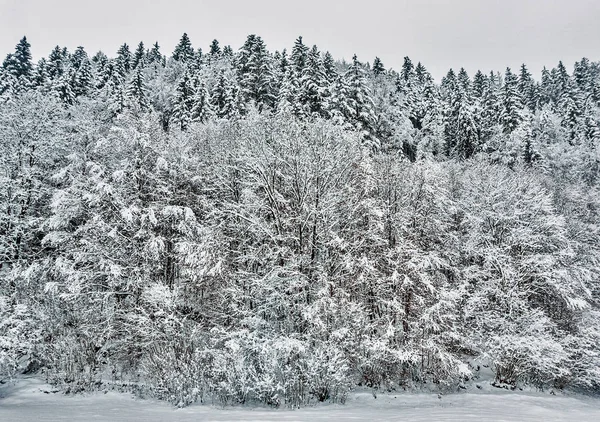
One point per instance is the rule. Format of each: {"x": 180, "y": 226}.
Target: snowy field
{"x": 32, "y": 400}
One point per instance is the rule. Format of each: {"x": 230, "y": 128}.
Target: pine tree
{"x": 17, "y": 69}
{"x": 82, "y": 80}
{"x": 288, "y": 103}
{"x": 358, "y": 107}
{"x": 215, "y": 49}
{"x": 19, "y": 64}
{"x": 451, "y": 95}
{"x": 137, "y": 91}
{"x": 527, "y": 87}
{"x": 255, "y": 73}
{"x": 422, "y": 75}
{"x": 228, "y": 51}
{"x": 40, "y": 77}
{"x": 63, "y": 87}
{"x": 57, "y": 63}
{"x": 155, "y": 57}
{"x": 464, "y": 82}
{"x": 139, "y": 57}
{"x": 183, "y": 102}
{"x": 546, "y": 95}
{"x": 491, "y": 107}
{"x": 570, "y": 109}
{"x": 330, "y": 67}
{"x": 378, "y": 68}
{"x": 312, "y": 85}
{"x": 561, "y": 80}
{"x": 479, "y": 83}
{"x": 408, "y": 71}
{"x": 299, "y": 56}
{"x": 124, "y": 58}
{"x": 201, "y": 110}
{"x": 223, "y": 97}
{"x": 512, "y": 105}
{"x": 183, "y": 51}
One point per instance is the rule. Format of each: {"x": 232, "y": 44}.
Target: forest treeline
{"x": 256, "y": 226}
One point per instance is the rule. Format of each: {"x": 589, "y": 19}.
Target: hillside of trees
{"x": 282, "y": 227}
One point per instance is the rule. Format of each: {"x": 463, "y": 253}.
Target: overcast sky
{"x": 475, "y": 34}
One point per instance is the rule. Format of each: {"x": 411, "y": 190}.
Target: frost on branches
{"x": 282, "y": 228}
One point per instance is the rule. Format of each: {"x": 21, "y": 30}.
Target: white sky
{"x": 485, "y": 34}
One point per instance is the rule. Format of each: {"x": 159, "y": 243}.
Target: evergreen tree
{"x": 215, "y": 49}
{"x": 358, "y": 107}
{"x": 40, "y": 75}
{"x": 223, "y": 97}
{"x": 287, "y": 100}
{"x": 479, "y": 84}
{"x": 546, "y": 95}
{"x": 491, "y": 107}
{"x": 82, "y": 78}
{"x": 137, "y": 91}
{"x": 510, "y": 116}
{"x": 57, "y": 63}
{"x": 183, "y": 51}
{"x": 408, "y": 71}
{"x": 528, "y": 89}
{"x": 139, "y": 57}
{"x": 124, "y": 59}
{"x": 155, "y": 57}
{"x": 464, "y": 82}
{"x": 561, "y": 80}
{"x": 312, "y": 85}
{"x": 183, "y": 102}
{"x": 331, "y": 72}
{"x": 378, "y": 68}
{"x": 201, "y": 110}
{"x": 299, "y": 56}
{"x": 19, "y": 64}
{"x": 227, "y": 51}
{"x": 255, "y": 73}
{"x": 570, "y": 108}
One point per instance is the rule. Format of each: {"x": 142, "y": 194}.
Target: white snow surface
{"x": 31, "y": 400}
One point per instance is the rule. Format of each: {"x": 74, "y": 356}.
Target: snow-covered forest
{"x": 242, "y": 225}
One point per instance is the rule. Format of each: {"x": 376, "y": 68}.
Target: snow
{"x": 32, "y": 400}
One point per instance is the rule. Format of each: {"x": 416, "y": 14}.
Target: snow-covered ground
{"x": 32, "y": 400}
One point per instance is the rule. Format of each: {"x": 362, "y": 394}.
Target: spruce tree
{"x": 183, "y": 102}
{"x": 330, "y": 67}
{"x": 255, "y": 73}
{"x": 299, "y": 56}
{"x": 57, "y": 63}
{"x": 378, "y": 68}
{"x": 512, "y": 105}
{"x": 201, "y": 110}
{"x": 464, "y": 82}
{"x": 223, "y": 97}
{"x": 312, "y": 85}
{"x": 358, "y": 104}
{"x": 139, "y": 57}
{"x": 19, "y": 64}
{"x": 408, "y": 70}
{"x": 137, "y": 91}
{"x": 155, "y": 57}
{"x": 215, "y": 49}
{"x": 479, "y": 82}
{"x": 124, "y": 58}
{"x": 183, "y": 51}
